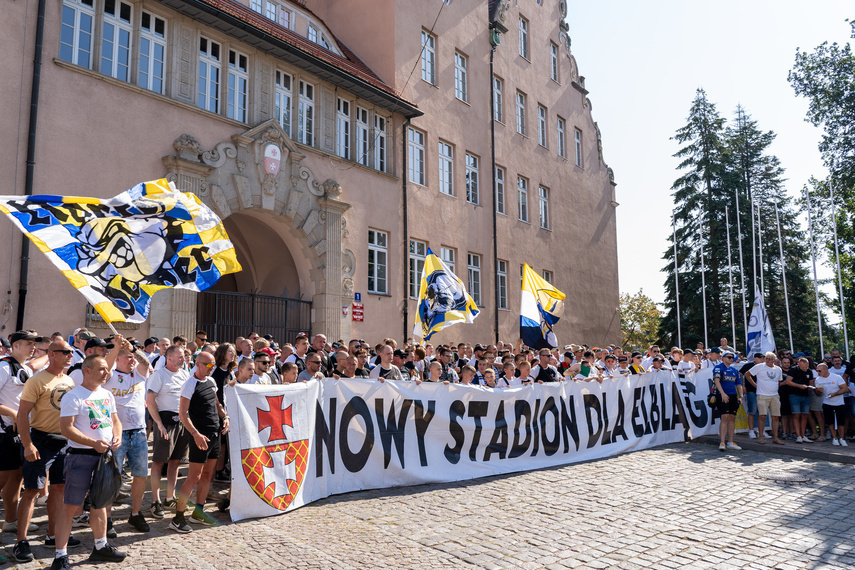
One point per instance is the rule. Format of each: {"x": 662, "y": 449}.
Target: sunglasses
{"x": 312, "y": 362}
{"x": 65, "y": 352}
{"x": 207, "y": 365}
{"x": 265, "y": 362}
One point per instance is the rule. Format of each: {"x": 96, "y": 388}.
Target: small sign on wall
{"x": 357, "y": 311}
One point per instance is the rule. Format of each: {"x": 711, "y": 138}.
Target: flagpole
{"x": 730, "y": 274}
{"x": 704, "y": 285}
{"x": 677, "y": 282}
{"x": 753, "y": 248}
{"x": 815, "y": 284}
{"x": 784, "y": 279}
{"x": 741, "y": 270}
{"x": 760, "y": 252}
{"x": 839, "y": 274}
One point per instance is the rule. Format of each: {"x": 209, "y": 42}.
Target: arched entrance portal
{"x": 266, "y": 296}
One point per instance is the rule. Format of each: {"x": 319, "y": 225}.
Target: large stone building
{"x": 380, "y": 112}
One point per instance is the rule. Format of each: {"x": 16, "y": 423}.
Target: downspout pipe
{"x": 493, "y": 186}
{"x": 31, "y": 160}
{"x": 406, "y": 247}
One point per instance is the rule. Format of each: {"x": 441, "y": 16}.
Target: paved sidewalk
{"x": 822, "y": 450}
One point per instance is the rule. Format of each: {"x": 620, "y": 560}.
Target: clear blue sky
{"x": 642, "y": 62}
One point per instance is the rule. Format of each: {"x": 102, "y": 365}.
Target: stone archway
{"x": 260, "y": 173}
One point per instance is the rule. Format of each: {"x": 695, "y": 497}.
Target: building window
{"x": 544, "y": 207}
{"x": 418, "y": 251}
{"x": 523, "y": 37}
{"x": 380, "y": 143}
{"x": 343, "y": 128}
{"x": 578, "y": 148}
{"x": 238, "y": 82}
{"x": 497, "y": 99}
{"x": 522, "y": 273}
{"x": 472, "y": 194}
{"x": 521, "y": 113}
{"x": 416, "y": 156}
{"x": 500, "y": 190}
{"x": 312, "y": 33}
{"x": 547, "y": 276}
{"x": 553, "y": 59}
{"x": 541, "y": 125}
{"x": 428, "y": 58}
{"x": 461, "y": 91}
{"x": 283, "y": 101}
{"x": 562, "y": 144}
{"x": 362, "y": 136}
{"x": 152, "y": 52}
{"x": 286, "y": 19}
{"x": 75, "y": 40}
{"x": 377, "y": 254}
{"x": 116, "y": 40}
{"x": 306, "y": 114}
{"x": 446, "y": 168}
{"x": 446, "y": 254}
{"x": 271, "y": 11}
{"x": 502, "y": 279}
{"x": 522, "y": 188}
{"x": 255, "y": 5}
{"x": 475, "y": 277}
{"x": 209, "y": 75}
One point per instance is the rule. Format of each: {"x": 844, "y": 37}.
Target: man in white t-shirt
{"x": 833, "y": 389}
{"x": 385, "y": 370}
{"x": 768, "y": 378}
{"x": 263, "y": 362}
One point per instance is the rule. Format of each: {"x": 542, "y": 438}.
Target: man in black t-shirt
{"x": 750, "y": 403}
{"x": 800, "y": 380}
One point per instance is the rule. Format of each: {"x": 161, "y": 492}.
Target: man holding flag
{"x": 443, "y": 300}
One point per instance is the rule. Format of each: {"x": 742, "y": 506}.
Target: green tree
{"x": 639, "y": 321}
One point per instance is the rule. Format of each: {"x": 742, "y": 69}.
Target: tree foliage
{"x": 639, "y": 321}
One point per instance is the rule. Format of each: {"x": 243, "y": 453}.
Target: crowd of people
{"x": 65, "y": 402}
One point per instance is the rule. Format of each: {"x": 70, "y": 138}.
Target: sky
{"x": 643, "y": 61}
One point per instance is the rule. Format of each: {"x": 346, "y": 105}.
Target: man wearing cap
{"x": 750, "y": 403}
{"x": 767, "y": 378}
{"x": 79, "y": 339}
{"x": 713, "y": 358}
{"x": 728, "y": 383}
{"x": 150, "y": 347}
{"x": 399, "y": 359}
{"x": 611, "y": 369}
{"x": 657, "y": 364}
{"x": 686, "y": 366}
{"x": 98, "y": 347}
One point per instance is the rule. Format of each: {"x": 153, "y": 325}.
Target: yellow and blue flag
{"x": 443, "y": 300}
{"x": 540, "y": 308}
{"x": 119, "y": 252}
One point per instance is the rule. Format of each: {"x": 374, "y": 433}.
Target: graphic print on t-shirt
{"x": 57, "y": 393}
{"x": 99, "y": 413}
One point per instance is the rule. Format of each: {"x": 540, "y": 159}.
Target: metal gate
{"x": 226, "y": 316}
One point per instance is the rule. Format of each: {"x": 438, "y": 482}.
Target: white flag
{"x": 760, "y": 337}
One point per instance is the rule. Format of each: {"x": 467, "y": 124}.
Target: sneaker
{"x": 121, "y": 496}
{"x": 821, "y": 439}
{"x": 722, "y": 447}
{"x": 835, "y": 441}
{"x": 799, "y": 440}
{"x": 80, "y": 520}
{"x": 751, "y": 434}
{"x": 41, "y": 500}
{"x": 72, "y": 542}
{"x": 170, "y": 503}
{"x": 13, "y": 527}
{"x": 157, "y": 510}
{"x": 60, "y": 563}
{"x": 732, "y": 445}
{"x": 107, "y": 554}
{"x": 843, "y": 442}
{"x": 223, "y": 505}
{"x": 807, "y": 440}
{"x": 201, "y": 517}
{"x": 22, "y": 552}
{"x": 138, "y": 522}
{"x": 180, "y": 526}
{"x": 221, "y": 476}
{"x": 111, "y": 532}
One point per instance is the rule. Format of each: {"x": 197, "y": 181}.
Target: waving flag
{"x": 119, "y": 252}
{"x": 540, "y": 308}
{"x": 760, "y": 337}
{"x": 443, "y": 300}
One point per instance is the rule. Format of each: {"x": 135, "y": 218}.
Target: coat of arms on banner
{"x": 275, "y": 470}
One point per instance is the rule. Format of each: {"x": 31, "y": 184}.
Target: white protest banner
{"x": 294, "y": 444}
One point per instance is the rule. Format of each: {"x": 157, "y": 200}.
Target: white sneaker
{"x": 751, "y": 434}
{"x": 843, "y": 442}
{"x": 13, "y": 527}
{"x": 732, "y": 445}
{"x": 835, "y": 441}
{"x": 800, "y": 440}
{"x": 807, "y": 440}
{"x": 80, "y": 520}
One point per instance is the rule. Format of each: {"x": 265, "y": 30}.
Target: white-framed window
{"x": 362, "y": 136}
{"x": 547, "y": 276}
{"x": 472, "y": 189}
{"x": 543, "y": 196}
{"x": 78, "y": 25}
{"x": 306, "y": 114}
{"x": 500, "y": 190}
{"x": 522, "y": 193}
{"x": 255, "y": 6}
{"x": 461, "y": 89}
{"x": 541, "y": 125}
{"x": 152, "y": 63}
{"x": 116, "y": 35}
{"x": 523, "y": 37}
{"x": 446, "y": 254}
{"x": 271, "y": 11}
{"x": 521, "y": 113}
{"x": 502, "y": 281}
{"x": 380, "y": 123}
{"x": 416, "y": 156}
{"x": 446, "y": 168}
{"x": 560, "y": 127}
{"x": 475, "y": 277}
{"x": 238, "y": 86}
{"x": 343, "y": 128}
{"x": 418, "y": 251}
{"x": 312, "y": 33}
{"x": 497, "y": 99}
{"x": 283, "y": 100}
{"x": 208, "y": 96}
{"x": 553, "y": 61}
{"x": 428, "y": 57}
{"x": 286, "y": 18}
{"x": 377, "y": 262}
{"x": 578, "y": 134}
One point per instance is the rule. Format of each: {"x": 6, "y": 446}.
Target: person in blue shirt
{"x": 728, "y": 382}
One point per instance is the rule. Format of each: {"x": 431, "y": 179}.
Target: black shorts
{"x": 728, "y": 408}
{"x": 174, "y": 447}
{"x": 10, "y": 450}
{"x": 202, "y": 455}
{"x": 833, "y": 413}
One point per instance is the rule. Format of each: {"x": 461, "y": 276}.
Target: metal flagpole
{"x": 760, "y": 252}
{"x": 815, "y": 284}
{"x": 753, "y": 249}
{"x": 677, "y": 282}
{"x": 730, "y": 274}
{"x": 704, "y": 286}
{"x": 784, "y": 279}
{"x": 741, "y": 270}
{"x": 839, "y": 274}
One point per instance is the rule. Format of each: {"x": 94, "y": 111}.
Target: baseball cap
{"x": 688, "y": 351}
{"x": 268, "y": 337}
{"x": 479, "y": 347}
{"x": 759, "y": 355}
{"x": 22, "y": 335}
{"x": 569, "y": 355}
{"x": 85, "y": 335}
{"x": 149, "y": 341}
{"x": 658, "y": 359}
{"x": 274, "y": 347}
{"x": 728, "y": 353}
{"x": 568, "y": 347}
{"x": 97, "y": 343}
{"x": 5, "y": 342}
{"x": 400, "y": 353}
{"x": 267, "y": 351}
{"x": 622, "y": 359}
{"x": 716, "y": 349}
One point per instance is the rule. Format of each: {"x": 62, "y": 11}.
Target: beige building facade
{"x": 380, "y": 114}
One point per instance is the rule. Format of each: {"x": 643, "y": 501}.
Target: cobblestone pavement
{"x": 676, "y": 506}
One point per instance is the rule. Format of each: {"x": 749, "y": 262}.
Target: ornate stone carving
{"x": 332, "y": 189}
{"x": 562, "y": 8}
{"x": 204, "y": 189}
{"x": 269, "y": 185}
{"x": 311, "y": 183}
{"x": 503, "y": 8}
{"x": 217, "y": 157}
{"x": 348, "y": 263}
{"x": 599, "y": 141}
{"x": 347, "y": 287}
{"x": 241, "y": 165}
{"x": 344, "y": 231}
{"x": 187, "y": 147}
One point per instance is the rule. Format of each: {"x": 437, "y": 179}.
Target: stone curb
{"x": 791, "y": 449}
